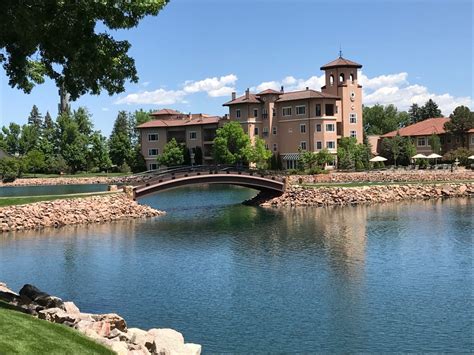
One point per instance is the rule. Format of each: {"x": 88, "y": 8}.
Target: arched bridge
{"x": 174, "y": 178}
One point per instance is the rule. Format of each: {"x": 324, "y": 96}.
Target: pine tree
{"x": 120, "y": 144}
{"x": 415, "y": 113}
{"x": 430, "y": 110}
{"x": 35, "y": 118}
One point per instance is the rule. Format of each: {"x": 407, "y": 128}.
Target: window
{"x": 421, "y": 142}
{"x": 266, "y": 146}
{"x": 264, "y": 113}
{"x": 265, "y": 131}
{"x": 255, "y": 131}
{"x": 353, "y": 117}
{"x": 192, "y": 135}
{"x": 331, "y": 145}
{"x": 303, "y": 145}
{"x": 152, "y": 152}
{"x": 319, "y": 145}
{"x": 341, "y": 78}
{"x": 237, "y": 113}
{"x": 472, "y": 139}
{"x": 318, "y": 110}
{"x": 331, "y": 80}
{"x": 330, "y": 127}
{"x": 275, "y": 147}
{"x": 274, "y": 112}
{"x": 302, "y": 128}
{"x": 274, "y": 130}
{"x": 255, "y": 112}
{"x": 300, "y": 110}
{"x": 351, "y": 78}
{"x": 354, "y": 134}
{"x": 152, "y": 166}
{"x": 152, "y": 137}
{"x": 336, "y": 109}
{"x": 318, "y": 127}
{"x": 286, "y": 111}
{"x": 329, "y": 109}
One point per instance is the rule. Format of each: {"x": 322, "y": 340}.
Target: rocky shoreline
{"x": 83, "y": 210}
{"x": 108, "y": 329}
{"x": 296, "y": 196}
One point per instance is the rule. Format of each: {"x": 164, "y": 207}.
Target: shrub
{"x": 461, "y": 154}
{"x": 9, "y": 169}
{"x": 124, "y": 168}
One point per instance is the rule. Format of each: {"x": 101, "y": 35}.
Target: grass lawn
{"x": 386, "y": 183}
{"x": 24, "y": 334}
{"x": 21, "y": 200}
{"x": 78, "y": 175}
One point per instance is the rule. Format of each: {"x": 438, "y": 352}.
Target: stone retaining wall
{"x": 108, "y": 329}
{"x": 384, "y": 176}
{"x": 83, "y": 210}
{"x": 343, "y": 196}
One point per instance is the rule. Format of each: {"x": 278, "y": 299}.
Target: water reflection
{"x": 393, "y": 277}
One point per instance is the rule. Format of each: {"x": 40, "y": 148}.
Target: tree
{"x": 430, "y": 110}
{"x": 461, "y": 121}
{"x": 83, "y": 119}
{"x": 35, "y": 161}
{"x": 435, "y": 143}
{"x": 73, "y": 145}
{"x": 99, "y": 153}
{"x": 120, "y": 145}
{"x": 9, "y": 169}
{"x": 231, "y": 144}
{"x": 380, "y": 120}
{"x": 415, "y": 113}
{"x": 35, "y": 118}
{"x": 198, "y": 156}
{"x": 63, "y": 41}
{"x": 258, "y": 154}
{"x": 398, "y": 150}
{"x": 12, "y": 137}
{"x": 173, "y": 154}
{"x": 29, "y": 139}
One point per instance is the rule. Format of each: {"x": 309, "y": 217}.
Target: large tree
{"x": 430, "y": 110}
{"x": 70, "y": 42}
{"x": 120, "y": 144}
{"x": 35, "y": 117}
{"x": 231, "y": 144}
{"x": 173, "y": 154}
{"x": 461, "y": 121}
{"x": 380, "y": 120}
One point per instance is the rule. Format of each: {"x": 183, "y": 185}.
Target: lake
{"x": 234, "y": 278}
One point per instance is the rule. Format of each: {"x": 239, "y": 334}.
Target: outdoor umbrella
{"x": 434, "y": 156}
{"x": 471, "y": 157}
{"x": 419, "y": 156}
{"x": 378, "y": 158}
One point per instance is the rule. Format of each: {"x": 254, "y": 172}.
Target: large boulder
{"x": 115, "y": 321}
{"x": 32, "y": 293}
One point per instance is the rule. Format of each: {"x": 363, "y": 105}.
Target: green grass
{"x": 78, "y": 175}
{"x": 385, "y": 183}
{"x": 23, "y": 334}
{"x": 22, "y": 200}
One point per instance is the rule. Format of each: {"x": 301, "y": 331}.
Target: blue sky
{"x": 194, "y": 53}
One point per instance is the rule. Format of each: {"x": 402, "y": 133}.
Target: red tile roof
{"x": 287, "y": 96}
{"x": 423, "y": 128}
{"x": 165, "y": 111}
{"x": 341, "y": 62}
{"x": 253, "y": 99}
{"x": 305, "y": 94}
{"x": 201, "y": 120}
{"x": 268, "y": 91}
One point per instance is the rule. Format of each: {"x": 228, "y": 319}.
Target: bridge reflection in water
{"x": 228, "y": 175}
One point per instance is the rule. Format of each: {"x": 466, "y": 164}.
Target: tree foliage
{"x": 380, "y": 120}
{"x": 351, "y": 155}
{"x": 398, "y": 150}
{"x": 258, "y": 154}
{"x": 231, "y": 144}
{"x": 461, "y": 121}
{"x": 70, "y": 43}
{"x": 173, "y": 154}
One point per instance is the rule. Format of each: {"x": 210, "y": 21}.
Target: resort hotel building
{"x": 288, "y": 122}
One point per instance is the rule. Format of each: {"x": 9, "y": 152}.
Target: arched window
{"x": 331, "y": 80}
{"x": 341, "y": 78}
{"x": 351, "y": 78}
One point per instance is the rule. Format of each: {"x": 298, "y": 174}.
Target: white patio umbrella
{"x": 378, "y": 158}
{"x": 419, "y": 156}
{"x": 434, "y": 156}
{"x": 471, "y": 157}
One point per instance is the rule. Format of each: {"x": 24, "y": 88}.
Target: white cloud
{"x": 380, "y": 81}
{"x": 214, "y": 87}
{"x": 105, "y": 109}
{"x": 290, "y": 83}
{"x": 156, "y": 97}
{"x": 145, "y": 84}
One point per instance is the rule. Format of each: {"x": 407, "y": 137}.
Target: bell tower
{"x": 341, "y": 80}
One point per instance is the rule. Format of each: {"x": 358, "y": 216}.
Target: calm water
{"x": 8, "y": 191}
{"x": 395, "y": 277}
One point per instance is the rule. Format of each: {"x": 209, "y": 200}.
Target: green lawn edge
{"x": 379, "y": 183}
{"x": 24, "y": 334}
{"x": 23, "y": 200}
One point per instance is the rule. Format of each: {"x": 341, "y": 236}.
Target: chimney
{"x": 247, "y": 94}
{"x": 233, "y": 95}
{"x": 282, "y": 89}
{"x": 307, "y": 88}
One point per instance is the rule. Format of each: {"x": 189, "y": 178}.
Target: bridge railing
{"x": 180, "y": 172}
